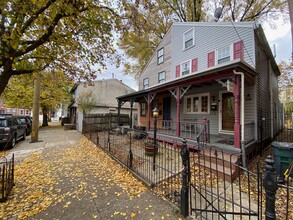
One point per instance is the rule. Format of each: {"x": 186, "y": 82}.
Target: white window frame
{"x": 200, "y": 103}
{"x": 230, "y": 55}
{"x": 145, "y": 83}
{"x": 160, "y": 56}
{"x": 182, "y": 70}
{"x": 184, "y": 38}
{"x": 160, "y": 80}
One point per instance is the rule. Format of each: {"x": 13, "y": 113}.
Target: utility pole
{"x": 36, "y": 107}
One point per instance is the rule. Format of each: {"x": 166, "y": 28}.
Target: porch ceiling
{"x": 207, "y": 77}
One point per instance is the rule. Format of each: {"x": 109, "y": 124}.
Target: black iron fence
{"x": 205, "y": 181}
{"x": 7, "y": 177}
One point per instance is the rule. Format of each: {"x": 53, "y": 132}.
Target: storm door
{"x": 227, "y": 111}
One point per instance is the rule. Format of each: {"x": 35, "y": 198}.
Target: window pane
{"x": 195, "y": 104}
{"x": 204, "y": 104}
{"x": 145, "y": 83}
{"x": 188, "y": 39}
{"x": 143, "y": 109}
{"x": 188, "y": 105}
{"x": 162, "y": 77}
{"x": 185, "y": 68}
{"x": 224, "y": 55}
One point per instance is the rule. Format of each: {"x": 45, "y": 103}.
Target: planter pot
{"x": 150, "y": 150}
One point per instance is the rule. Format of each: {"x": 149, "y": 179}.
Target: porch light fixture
{"x": 155, "y": 112}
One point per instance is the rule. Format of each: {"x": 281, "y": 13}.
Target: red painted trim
{"x": 211, "y": 59}
{"x": 194, "y": 65}
{"x": 177, "y": 71}
{"x": 237, "y": 129}
{"x": 178, "y": 112}
{"x": 238, "y": 50}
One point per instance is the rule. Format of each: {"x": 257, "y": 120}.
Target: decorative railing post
{"x": 184, "y": 190}
{"x": 271, "y": 186}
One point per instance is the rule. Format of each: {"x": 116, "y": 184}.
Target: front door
{"x": 227, "y": 111}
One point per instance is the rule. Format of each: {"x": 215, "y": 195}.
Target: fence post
{"x": 130, "y": 150}
{"x": 271, "y": 186}
{"x": 108, "y": 140}
{"x": 184, "y": 190}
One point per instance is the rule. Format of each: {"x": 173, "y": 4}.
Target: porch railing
{"x": 189, "y": 130}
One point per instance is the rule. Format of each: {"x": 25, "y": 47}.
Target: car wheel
{"x": 24, "y": 135}
{"x": 13, "y": 142}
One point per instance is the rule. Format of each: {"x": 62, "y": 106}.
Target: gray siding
{"x": 209, "y": 38}
{"x": 152, "y": 69}
{"x": 263, "y": 94}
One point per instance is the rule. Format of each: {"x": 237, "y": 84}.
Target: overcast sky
{"x": 281, "y": 37}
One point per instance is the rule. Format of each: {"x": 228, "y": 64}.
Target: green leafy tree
{"x": 69, "y": 35}
{"x": 86, "y": 101}
{"x": 149, "y": 21}
{"x": 55, "y": 89}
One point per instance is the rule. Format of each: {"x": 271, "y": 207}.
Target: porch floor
{"x": 222, "y": 141}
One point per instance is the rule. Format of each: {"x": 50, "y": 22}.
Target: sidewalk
{"x": 64, "y": 176}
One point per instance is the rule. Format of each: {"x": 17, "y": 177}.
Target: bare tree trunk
{"x": 36, "y": 107}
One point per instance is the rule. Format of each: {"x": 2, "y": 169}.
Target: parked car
{"x": 11, "y": 130}
{"x": 27, "y": 121}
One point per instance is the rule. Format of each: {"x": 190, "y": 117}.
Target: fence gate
{"x": 220, "y": 188}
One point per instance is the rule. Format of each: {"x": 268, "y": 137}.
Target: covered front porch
{"x": 209, "y": 102}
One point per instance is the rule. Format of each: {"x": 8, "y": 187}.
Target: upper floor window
{"x": 21, "y": 111}
{"x": 188, "y": 39}
{"x": 160, "y": 56}
{"x": 162, "y": 77}
{"x": 145, "y": 83}
{"x": 197, "y": 104}
{"x": 185, "y": 68}
{"x": 224, "y": 55}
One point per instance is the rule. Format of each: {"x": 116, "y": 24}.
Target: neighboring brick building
{"x": 13, "y": 111}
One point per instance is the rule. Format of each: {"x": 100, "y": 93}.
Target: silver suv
{"x": 11, "y": 130}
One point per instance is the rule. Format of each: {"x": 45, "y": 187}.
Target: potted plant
{"x": 150, "y": 148}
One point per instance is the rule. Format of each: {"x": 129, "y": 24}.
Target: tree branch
{"x": 36, "y": 15}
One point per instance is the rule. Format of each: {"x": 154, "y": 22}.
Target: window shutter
{"x": 177, "y": 70}
{"x": 211, "y": 59}
{"x": 194, "y": 65}
{"x": 238, "y": 50}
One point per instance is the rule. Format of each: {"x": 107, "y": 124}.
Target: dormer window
{"x": 188, "y": 39}
{"x": 185, "y": 68}
{"x": 160, "y": 56}
{"x": 224, "y": 55}
{"x": 145, "y": 83}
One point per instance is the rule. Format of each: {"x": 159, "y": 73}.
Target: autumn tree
{"x": 56, "y": 34}
{"x": 149, "y": 21}
{"x": 86, "y": 101}
{"x": 55, "y": 90}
